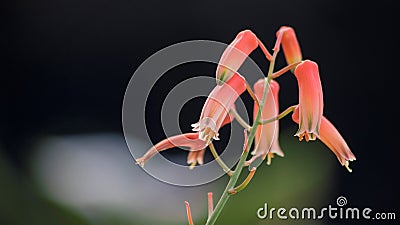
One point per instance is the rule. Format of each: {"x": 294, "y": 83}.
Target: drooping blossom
{"x": 331, "y": 137}
{"x": 196, "y": 146}
{"x": 217, "y": 107}
{"x": 310, "y": 100}
{"x": 189, "y": 140}
{"x": 266, "y": 136}
{"x": 290, "y": 45}
{"x": 235, "y": 54}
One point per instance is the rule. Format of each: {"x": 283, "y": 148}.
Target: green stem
{"x": 244, "y": 184}
{"x": 264, "y": 50}
{"x": 240, "y": 165}
{"x": 251, "y": 93}
{"x": 225, "y": 195}
{"x": 219, "y": 160}
{"x": 239, "y": 119}
{"x": 284, "y": 70}
{"x": 280, "y": 116}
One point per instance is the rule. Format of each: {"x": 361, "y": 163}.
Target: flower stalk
{"x": 245, "y": 182}
{"x": 251, "y": 93}
{"x": 284, "y": 70}
{"x": 280, "y": 116}
{"x": 239, "y": 119}
{"x": 219, "y": 160}
{"x": 235, "y": 176}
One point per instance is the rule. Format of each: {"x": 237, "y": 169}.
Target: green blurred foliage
{"x": 21, "y": 203}
{"x": 303, "y": 178}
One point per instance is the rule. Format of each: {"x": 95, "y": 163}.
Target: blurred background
{"x": 66, "y": 65}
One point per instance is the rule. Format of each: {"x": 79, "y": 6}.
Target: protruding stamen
{"x": 269, "y": 157}
{"x": 347, "y": 166}
{"x": 192, "y": 165}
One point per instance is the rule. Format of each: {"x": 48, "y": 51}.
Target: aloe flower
{"x": 189, "y": 140}
{"x": 235, "y": 54}
{"x": 266, "y": 137}
{"x": 331, "y": 137}
{"x": 196, "y": 146}
{"x": 217, "y": 106}
{"x": 290, "y": 45}
{"x": 310, "y": 100}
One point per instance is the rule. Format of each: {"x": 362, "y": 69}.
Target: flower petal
{"x": 235, "y": 54}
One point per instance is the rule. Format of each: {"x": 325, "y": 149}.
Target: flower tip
{"x": 283, "y": 29}
{"x": 307, "y": 65}
{"x": 140, "y": 162}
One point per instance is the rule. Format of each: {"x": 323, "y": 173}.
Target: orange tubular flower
{"x": 266, "y": 137}
{"x": 189, "y": 140}
{"x": 331, "y": 137}
{"x": 310, "y": 100}
{"x": 235, "y": 54}
{"x": 217, "y": 106}
{"x": 196, "y": 146}
{"x": 290, "y": 45}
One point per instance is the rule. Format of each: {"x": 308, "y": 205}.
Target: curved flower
{"x": 235, "y": 54}
{"x": 331, "y": 137}
{"x": 266, "y": 137}
{"x": 310, "y": 100}
{"x": 290, "y": 45}
{"x": 196, "y": 146}
{"x": 189, "y": 140}
{"x": 217, "y": 106}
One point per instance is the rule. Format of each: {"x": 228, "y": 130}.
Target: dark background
{"x": 67, "y": 64}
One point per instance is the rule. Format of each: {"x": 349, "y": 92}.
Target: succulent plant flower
{"x": 217, "y": 106}
{"x": 189, "y": 140}
{"x": 235, "y": 54}
{"x": 196, "y": 146}
{"x": 266, "y": 137}
{"x": 310, "y": 100}
{"x": 290, "y": 45}
{"x": 331, "y": 137}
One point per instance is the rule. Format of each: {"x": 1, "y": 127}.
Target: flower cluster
{"x": 219, "y": 108}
